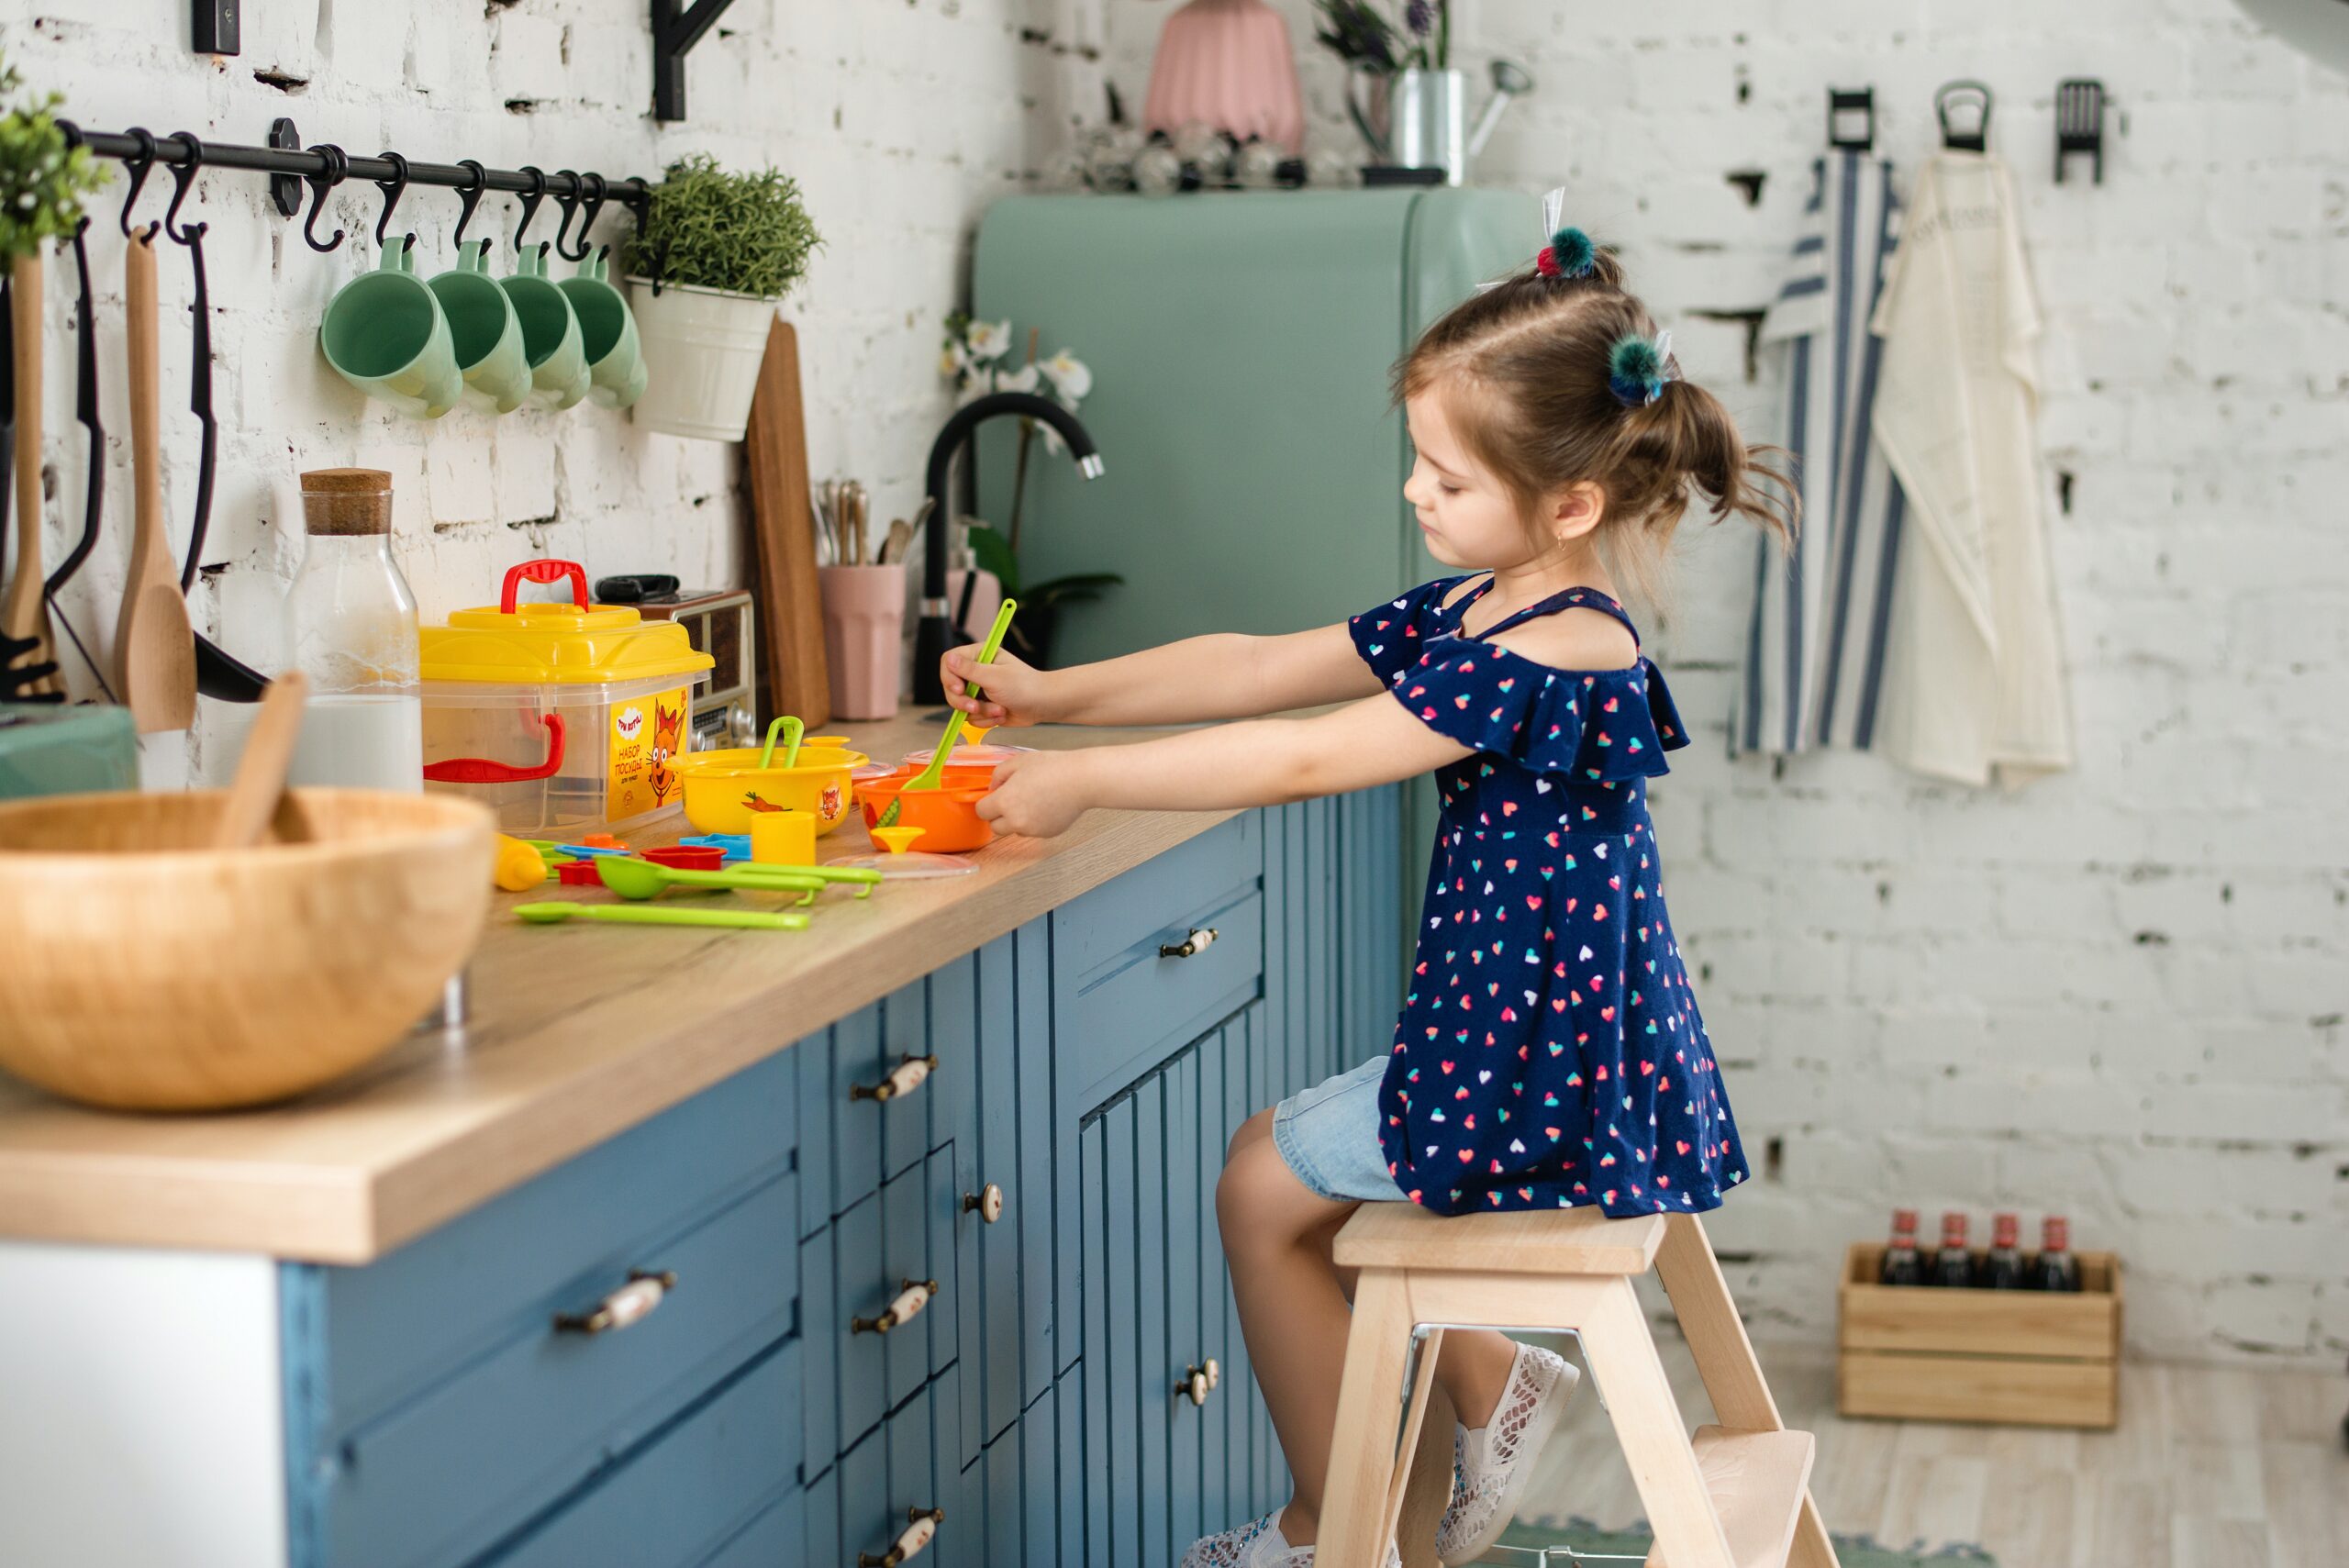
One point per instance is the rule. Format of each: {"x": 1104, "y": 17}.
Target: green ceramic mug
{"x": 485, "y": 330}
{"x": 608, "y": 330}
{"x": 551, "y": 339}
{"x": 383, "y": 333}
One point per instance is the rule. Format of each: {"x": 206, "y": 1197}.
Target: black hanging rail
{"x": 291, "y": 162}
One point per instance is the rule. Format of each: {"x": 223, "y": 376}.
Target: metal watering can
{"x": 1419, "y": 119}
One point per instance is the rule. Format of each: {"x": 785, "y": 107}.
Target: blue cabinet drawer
{"x": 1100, "y": 926}
{"x": 895, "y": 1480}
{"x": 857, "y": 1130}
{"x": 412, "y": 1316}
{"x": 1145, "y": 1001}
{"x": 686, "y": 1497}
{"x": 775, "y": 1537}
{"x": 446, "y": 1471}
{"x": 851, "y": 1273}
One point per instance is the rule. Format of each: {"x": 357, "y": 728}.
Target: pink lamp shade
{"x": 1227, "y": 63}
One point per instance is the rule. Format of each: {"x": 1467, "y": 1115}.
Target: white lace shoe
{"x": 1257, "y": 1544}
{"x": 1491, "y": 1465}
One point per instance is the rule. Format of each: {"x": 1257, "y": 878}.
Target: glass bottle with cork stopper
{"x": 353, "y": 624}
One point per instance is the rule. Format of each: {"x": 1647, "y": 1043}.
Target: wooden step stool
{"x": 1737, "y": 1495}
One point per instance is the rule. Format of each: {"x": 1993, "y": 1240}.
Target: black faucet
{"x": 937, "y": 631}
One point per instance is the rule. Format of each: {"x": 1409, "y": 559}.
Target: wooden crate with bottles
{"x": 2043, "y": 1348}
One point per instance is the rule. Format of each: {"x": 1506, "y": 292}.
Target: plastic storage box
{"x": 562, "y": 716}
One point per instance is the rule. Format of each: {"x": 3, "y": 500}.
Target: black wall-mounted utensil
{"x": 2079, "y": 123}
{"x": 1851, "y": 118}
{"x": 1963, "y": 109}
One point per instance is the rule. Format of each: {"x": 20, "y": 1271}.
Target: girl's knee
{"x": 1256, "y": 1185}
{"x": 1257, "y": 1128}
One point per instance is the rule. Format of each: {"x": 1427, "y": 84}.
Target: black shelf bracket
{"x": 677, "y": 28}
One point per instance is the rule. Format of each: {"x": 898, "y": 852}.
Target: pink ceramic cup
{"x": 865, "y": 625}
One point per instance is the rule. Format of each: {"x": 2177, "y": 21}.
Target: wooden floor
{"x": 2210, "y": 1467}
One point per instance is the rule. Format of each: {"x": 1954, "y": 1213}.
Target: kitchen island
{"x": 718, "y": 1248}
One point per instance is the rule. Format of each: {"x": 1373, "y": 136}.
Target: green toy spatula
{"x": 932, "y": 777}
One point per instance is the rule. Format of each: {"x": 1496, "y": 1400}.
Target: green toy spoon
{"x": 642, "y": 879}
{"x": 660, "y": 914}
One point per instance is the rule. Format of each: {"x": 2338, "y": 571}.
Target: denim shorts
{"x": 1328, "y": 1136}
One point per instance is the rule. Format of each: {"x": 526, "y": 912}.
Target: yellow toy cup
{"x": 727, "y": 791}
{"x": 783, "y": 839}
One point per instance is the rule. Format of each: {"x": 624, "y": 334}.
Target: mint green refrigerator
{"x": 1239, "y": 344}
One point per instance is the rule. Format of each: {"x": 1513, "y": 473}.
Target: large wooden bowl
{"x": 140, "y": 969}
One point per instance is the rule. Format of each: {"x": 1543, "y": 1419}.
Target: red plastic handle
{"x": 481, "y": 770}
{"x": 543, "y": 571}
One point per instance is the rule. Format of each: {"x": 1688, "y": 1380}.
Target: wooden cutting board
{"x": 783, "y": 530}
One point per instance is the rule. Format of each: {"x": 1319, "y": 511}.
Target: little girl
{"x": 1549, "y": 1054}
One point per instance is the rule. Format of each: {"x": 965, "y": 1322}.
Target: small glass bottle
{"x": 1954, "y": 1264}
{"x": 2002, "y": 1265}
{"x": 353, "y": 624}
{"x": 1902, "y": 1264}
{"x": 2054, "y": 1268}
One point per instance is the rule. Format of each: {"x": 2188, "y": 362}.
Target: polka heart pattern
{"x": 1547, "y": 991}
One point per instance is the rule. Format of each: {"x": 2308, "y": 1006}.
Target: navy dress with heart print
{"x": 1549, "y": 1054}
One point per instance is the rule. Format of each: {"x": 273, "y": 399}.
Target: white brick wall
{"x": 901, "y": 119}
{"x": 2120, "y": 991}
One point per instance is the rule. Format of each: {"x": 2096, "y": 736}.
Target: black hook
{"x": 569, "y": 203}
{"x": 469, "y": 197}
{"x": 139, "y": 163}
{"x": 182, "y": 176}
{"x": 393, "y": 189}
{"x": 595, "y": 189}
{"x": 530, "y": 200}
{"x": 322, "y": 185}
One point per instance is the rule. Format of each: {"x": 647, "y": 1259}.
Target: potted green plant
{"x": 715, "y": 254}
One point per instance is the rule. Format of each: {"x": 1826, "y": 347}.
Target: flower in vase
{"x": 1419, "y": 17}
{"x": 953, "y": 360}
{"x": 1071, "y": 377}
{"x": 1024, "y": 378}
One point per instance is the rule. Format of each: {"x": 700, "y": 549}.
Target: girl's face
{"x": 1467, "y": 516}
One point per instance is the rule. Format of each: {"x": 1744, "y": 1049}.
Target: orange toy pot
{"x": 948, "y": 816}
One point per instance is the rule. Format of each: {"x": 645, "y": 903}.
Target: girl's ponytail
{"x": 1687, "y": 431}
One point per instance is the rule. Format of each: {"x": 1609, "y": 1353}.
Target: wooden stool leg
{"x": 1411, "y": 1482}
{"x": 1725, "y": 1360}
{"x": 1647, "y": 1423}
{"x": 1370, "y": 1401}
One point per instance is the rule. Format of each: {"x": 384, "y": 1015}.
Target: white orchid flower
{"x": 1024, "y": 378}
{"x": 953, "y": 360}
{"x": 989, "y": 339}
{"x": 977, "y": 382}
{"x": 1071, "y": 376}
{"x": 1053, "y": 442}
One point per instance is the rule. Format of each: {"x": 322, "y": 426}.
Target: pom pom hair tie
{"x": 1637, "y": 369}
{"x": 1570, "y": 254}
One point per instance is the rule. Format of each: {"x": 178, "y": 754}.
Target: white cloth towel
{"x": 1973, "y": 674}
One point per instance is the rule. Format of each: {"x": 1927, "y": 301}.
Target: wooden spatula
{"x": 261, "y": 771}
{"x": 25, "y": 613}
{"x": 154, "y": 645}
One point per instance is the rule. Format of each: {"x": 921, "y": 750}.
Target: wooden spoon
{"x": 154, "y": 645}
{"x": 261, "y": 771}
{"x": 25, "y": 613}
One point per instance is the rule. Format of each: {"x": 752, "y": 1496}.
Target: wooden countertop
{"x": 556, "y": 1056}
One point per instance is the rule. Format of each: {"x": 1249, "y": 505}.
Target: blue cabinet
{"x": 979, "y": 1286}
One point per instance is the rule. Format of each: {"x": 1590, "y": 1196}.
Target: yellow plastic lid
{"x": 576, "y": 643}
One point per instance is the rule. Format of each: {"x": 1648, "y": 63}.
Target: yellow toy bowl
{"x": 725, "y": 789}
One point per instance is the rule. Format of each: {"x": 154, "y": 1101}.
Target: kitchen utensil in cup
{"x": 484, "y": 331}
{"x": 864, "y": 623}
{"x": 933, "y": 776}
{"x": 607, "y": 335}
{"x": 383, "y": 333}
{"x": 550, "y": 338}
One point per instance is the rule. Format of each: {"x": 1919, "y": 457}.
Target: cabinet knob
{"x": 917, "y": 1294}
{"x": 921, "y": 1528}
{"x": 909, "y": 1075}
{"x": 1199, "y": 1381}
{"x": 987, "y": 1201}
{"x": 1197, "y": 942}
{"x": 632, "y": 1303}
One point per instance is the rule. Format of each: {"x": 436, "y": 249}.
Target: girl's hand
{"x": 1011, "y": 691}
{"x": 1036, "y": 795}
